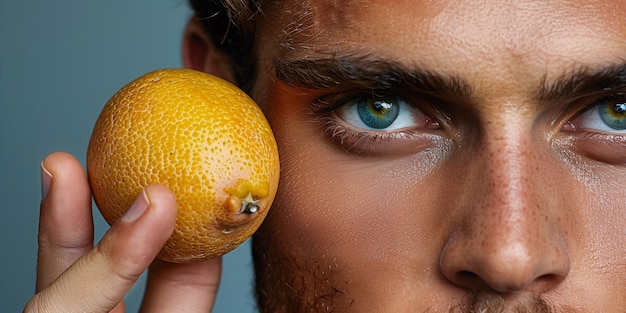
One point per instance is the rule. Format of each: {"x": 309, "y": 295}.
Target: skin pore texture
{"x": 497, "y": 189}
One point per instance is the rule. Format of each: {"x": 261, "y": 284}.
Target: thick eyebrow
{"x": 367, "y": 73}
{"x": 584, "y": 81}
{"x": 371, "y": 73}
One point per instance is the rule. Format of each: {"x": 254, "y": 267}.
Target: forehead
{"x": 504, "y": 38}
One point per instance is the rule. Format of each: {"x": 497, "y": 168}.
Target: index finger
{"x": 65, "y": 220}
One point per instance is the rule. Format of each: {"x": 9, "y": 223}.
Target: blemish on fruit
{"x": 244, "y": 196}
{"x": 247, "y": 205}
{"x": 244, "y": 188}
{"x": 250, "y": 208}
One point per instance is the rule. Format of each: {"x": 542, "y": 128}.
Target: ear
{"x": 200, "y": 53}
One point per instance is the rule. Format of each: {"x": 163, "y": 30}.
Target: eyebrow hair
{"x": 367, "y": 72}
{"x": 583, "y": 81}
{"x": 372, "y": 73}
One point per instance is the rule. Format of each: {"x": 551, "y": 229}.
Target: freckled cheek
{"x": 320, "y": 203}
{"x": 327, "y": 206}
{"x": 605, "y": 218}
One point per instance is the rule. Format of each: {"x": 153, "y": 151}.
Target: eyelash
{"x": 355, "y": 140}
{"x": 577, "y": 122}
{"x": 360, "y": 141}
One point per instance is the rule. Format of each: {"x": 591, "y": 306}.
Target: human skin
{"x": 503, "y": 188}
{"x": 506, "y": 187}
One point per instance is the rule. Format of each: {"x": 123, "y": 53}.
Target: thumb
{"x": 100, "y": 279}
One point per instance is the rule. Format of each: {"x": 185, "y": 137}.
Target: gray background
{"x": 60, "y": 61}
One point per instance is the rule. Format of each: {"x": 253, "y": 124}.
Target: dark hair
{"x": 231, "y": 26}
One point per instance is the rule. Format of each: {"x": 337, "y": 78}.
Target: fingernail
{"x": 138, "y": 208}
{"x": 46, "y": 181}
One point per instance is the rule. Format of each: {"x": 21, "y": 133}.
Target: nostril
{"x": 544, "y": 282}
{"x": 469, "y": 280}
{"x": 467, "y": 275}
{"x": 477, "y": 282}
{"x": 482, "y": 282}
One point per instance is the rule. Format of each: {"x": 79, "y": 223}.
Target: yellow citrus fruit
{"x": 200, "y": 136}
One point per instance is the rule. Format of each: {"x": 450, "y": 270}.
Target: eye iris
{"x": 613, "y": 114}
{"x": 378, "y": 113}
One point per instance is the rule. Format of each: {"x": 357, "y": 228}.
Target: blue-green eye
{"x": 613, "y": 113}
{"x": 607, "y": 115}
{"x": 378, "y": 113}
{"x": 386, "y": 113}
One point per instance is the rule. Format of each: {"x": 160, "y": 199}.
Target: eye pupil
{"x": 382, "y": 106}
{"x": 613, "y": 114}
{"x": 378, "y": 113}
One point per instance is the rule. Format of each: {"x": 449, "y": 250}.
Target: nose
{"x": 508, "y": 236}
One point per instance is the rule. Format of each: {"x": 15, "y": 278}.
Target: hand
{"x": 75, "y": 276}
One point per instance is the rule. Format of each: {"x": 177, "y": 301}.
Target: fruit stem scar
{"x": 250, "y": 208}
{"x": 247, "y": 205}
{"x": 244, "y": 196}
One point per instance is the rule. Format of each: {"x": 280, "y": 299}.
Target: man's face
{"x": 440, "y": 156}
